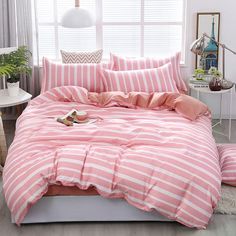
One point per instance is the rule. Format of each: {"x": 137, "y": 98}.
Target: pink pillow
{"x": 122, "y": 63}
{"x": 189, "y": 107}
{"x": 83, "y": 75}
{"x": 227, "y": 153}
{"x": 149, "y": 80}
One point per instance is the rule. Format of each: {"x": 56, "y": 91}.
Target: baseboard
{"x": 224, "y": 116}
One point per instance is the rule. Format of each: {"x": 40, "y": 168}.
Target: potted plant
{"x": 15, "y": 64}
{"x": 215, "y": 83}
{"x": 199, "y": 72}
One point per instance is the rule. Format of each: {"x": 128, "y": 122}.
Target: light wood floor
{"x": 220, "y": 225}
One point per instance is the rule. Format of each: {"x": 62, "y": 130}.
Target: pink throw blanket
{"x": 152, "y": 157}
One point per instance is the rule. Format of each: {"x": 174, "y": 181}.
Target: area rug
{"x": 227, "y": 203}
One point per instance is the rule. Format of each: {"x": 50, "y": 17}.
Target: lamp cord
{"x": 223, "y": 63}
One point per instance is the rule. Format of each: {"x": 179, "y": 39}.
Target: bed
{"x": 145, "y": 160}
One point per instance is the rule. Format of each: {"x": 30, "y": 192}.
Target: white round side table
{"x": 7, "y": 101}
{"x": 221, "y": 93}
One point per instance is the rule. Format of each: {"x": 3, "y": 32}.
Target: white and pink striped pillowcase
{"x": 122, "y": 63}
{"x": 227, "y": 154}
{"x": 148, "y": 80}
{"x": 83, "y": 75}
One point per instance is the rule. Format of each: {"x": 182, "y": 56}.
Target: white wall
{"x": 227, "y": 36}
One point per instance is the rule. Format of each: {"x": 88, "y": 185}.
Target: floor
{"x": 220, "y": 225}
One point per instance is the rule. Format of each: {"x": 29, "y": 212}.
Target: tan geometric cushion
{"x": 82, "y": 57}
{"x": 3, "y": 146}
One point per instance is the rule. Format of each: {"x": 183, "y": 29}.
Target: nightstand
{"x": 7, "y": 101}
{"x": 220, "y": 93}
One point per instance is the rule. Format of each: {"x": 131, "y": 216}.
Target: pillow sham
{"x": 122, "y": 63}
{"x": 83, "y": 75}
{"x": 227, "y": 154}
{"x": 82, "y": 57}
{"x": 148, "y": 80}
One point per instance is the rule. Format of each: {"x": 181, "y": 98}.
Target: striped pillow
{"x": 227, "y": 154}
{"x": 83, "y": 75}
{"x": 148, "y": 80}
{"x": 82, "y": 57}
{"x": 122, "y": 63}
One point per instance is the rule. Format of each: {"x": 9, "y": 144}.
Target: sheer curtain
{"x": 8, "y": 33}
{"x": 16, "y": 30}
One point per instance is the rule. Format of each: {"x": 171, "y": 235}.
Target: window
{"x": 129, "y": 27}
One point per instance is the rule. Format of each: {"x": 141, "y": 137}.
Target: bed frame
{"x": 86, "y": 209}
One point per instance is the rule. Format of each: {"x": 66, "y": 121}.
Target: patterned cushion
{"x": 148, "y": 80}
{"x": 227, "y": 154}
{"x": 82, "y": 57}
{"x": 83, "y": 75}
{"x": 122, "y": 63}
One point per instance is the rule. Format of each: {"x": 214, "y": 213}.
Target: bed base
{"x": 86, "y": 209}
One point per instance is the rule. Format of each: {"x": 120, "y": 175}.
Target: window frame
{"x": 100, "y": 23}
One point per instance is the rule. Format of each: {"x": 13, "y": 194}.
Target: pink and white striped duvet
{"x": 154, "y": 159}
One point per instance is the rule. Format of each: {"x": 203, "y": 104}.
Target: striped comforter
{"x": 154, "y": 159}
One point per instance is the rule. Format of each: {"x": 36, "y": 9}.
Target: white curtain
{"x": 16, "y": 30}
{"x": 8, "y": 34}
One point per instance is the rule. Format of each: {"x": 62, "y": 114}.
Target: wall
{"x": 227, "y": 36}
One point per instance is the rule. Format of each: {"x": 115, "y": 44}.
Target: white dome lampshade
{"x": 77, "y": 17}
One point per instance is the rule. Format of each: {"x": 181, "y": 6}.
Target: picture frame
{"x": 209, "y": 23}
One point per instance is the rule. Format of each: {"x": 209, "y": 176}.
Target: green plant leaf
{"x": 15, "y": 63}
{"x": 6, "y": 70}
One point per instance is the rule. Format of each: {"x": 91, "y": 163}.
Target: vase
{"x": 13, "y": 89}
{"x": 215, "y": 84}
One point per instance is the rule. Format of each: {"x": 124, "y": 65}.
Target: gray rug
{"x": 227, "y": 203}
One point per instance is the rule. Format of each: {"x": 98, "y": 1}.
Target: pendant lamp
{"x": 77, "y": 17}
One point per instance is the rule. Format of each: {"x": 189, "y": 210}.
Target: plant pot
{"x": 13, "y": 89}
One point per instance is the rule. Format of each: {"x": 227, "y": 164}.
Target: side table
{"x": 200, "y": 90}
{"x": 7, "y": 101}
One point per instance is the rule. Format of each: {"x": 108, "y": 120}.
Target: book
{"x": 201, "y": 82}
{"x": 199, "y": 85}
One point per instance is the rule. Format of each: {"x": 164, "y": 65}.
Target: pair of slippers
{"x": 73, "y": 117}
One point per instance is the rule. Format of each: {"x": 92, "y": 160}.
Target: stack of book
{"x": 199, "y": 83}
